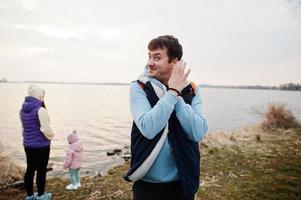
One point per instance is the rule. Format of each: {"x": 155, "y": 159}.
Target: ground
{"x": 245, "y": 164}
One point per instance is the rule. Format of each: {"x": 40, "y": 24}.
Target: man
{"x": 168, "y": 125}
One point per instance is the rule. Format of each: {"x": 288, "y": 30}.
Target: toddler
{"x": 73, "y": 160}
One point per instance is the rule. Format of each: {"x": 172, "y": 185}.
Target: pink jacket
{"x": 74, "y": 153}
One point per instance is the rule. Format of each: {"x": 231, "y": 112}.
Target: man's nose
{"x": 150, "y": 62}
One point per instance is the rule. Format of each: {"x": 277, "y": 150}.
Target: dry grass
{"x": 9, "y": 172}
{"x": 234, "y": 165}
{"x": 278, "y": 116}
{"x": 109, "y": 187}
{"x": 241, "y": 167}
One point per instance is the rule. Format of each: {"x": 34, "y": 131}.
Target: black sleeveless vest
{"x": 186, "y": 151}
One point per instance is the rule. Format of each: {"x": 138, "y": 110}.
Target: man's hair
{"x": 174, "y": 48}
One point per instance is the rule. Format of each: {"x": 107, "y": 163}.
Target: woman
{"x": 37, "y": 136}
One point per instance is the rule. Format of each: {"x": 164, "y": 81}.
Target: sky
{"x": 225, "y": 42}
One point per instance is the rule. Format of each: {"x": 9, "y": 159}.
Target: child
{"x": 73, "y": 161}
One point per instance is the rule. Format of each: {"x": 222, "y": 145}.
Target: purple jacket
{"x": 33, "y": 137}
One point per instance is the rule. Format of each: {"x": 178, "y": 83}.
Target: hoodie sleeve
{"x": 150, "y": 121}
{"x": 45, "y": 123}
{"x": 192, "y": 118}
{"x": 68, "y": 159}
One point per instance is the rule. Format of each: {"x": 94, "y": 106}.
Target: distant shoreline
{"x": 66, "y": 83}
{"x": 255, "y": 87}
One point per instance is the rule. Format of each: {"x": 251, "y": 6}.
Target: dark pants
{"x": 37, "y": 160}
{"x": 157, "y": 191}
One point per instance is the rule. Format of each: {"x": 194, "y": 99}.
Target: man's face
{"x": 158, "y": 65}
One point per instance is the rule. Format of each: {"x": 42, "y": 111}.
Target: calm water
{"x": 101, "y": 115}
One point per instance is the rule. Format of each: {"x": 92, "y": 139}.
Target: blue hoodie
{"x": 179, "y": 157}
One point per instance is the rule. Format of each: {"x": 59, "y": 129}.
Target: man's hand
{"x": 179, "y": 75}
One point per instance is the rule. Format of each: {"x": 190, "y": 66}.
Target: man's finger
{"x": 183, "y": 66}
{"x": 176, "y": 68}
{"x": 186, "y": 73}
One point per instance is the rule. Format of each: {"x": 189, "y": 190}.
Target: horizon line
{"x": 120, "y": 83}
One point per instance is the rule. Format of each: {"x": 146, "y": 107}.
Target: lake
{"x": 101, "y": 116}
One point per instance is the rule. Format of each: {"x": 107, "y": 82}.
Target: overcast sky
{"x": 229, "y": 42}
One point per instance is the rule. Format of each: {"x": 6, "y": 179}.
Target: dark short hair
{"x": 174, "y": 48}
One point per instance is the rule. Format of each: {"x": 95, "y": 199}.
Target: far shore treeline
{"x": 285, "y": 86}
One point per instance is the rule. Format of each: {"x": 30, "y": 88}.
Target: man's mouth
{"x": 151, "y": 68}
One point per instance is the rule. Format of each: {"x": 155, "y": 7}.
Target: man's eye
{"x": 157, "y": 58}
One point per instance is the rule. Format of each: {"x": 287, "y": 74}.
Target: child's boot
{"x": 71, "y": 187}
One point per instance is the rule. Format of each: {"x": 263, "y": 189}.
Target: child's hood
{"x": 72, "y": 138}
{"x": 74, "y": 142}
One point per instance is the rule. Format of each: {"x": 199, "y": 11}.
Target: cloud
{"x": 39, "y": 49}
{"x": 56, "y": 32}
{"x": 20, "y": 26}
{"x": 109, "y": 33}
{"x": 220, "y": 37}
{"x": 29, "y": 4}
